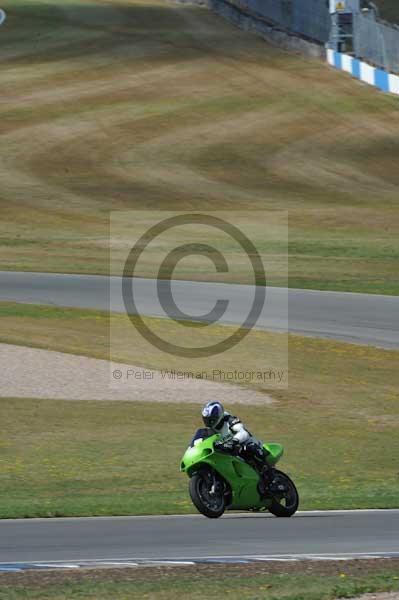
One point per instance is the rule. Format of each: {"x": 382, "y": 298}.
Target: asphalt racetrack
{"x": 336, "y": 533}
{"x": 356, "y": 318}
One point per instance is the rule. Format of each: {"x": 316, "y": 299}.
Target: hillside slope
{"x": 144, "y": 104}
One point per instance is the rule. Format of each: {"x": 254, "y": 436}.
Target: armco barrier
{"x": 387, "y": 82}
{"x": 376, "y": 41}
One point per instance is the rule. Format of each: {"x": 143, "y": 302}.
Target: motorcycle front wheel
{"x": 285, "y": 500}
{"x": 207, "y": 497}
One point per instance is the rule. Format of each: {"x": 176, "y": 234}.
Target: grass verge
{"x": 339, "y": 421}
{"x": 304, "y": 581}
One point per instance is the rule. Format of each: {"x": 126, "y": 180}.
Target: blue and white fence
{"x": 387, "y": 82}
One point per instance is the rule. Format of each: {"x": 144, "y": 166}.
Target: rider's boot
{"x": 265, "y": 485}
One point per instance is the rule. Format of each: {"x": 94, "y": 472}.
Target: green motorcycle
{"x": 222, "y": 481}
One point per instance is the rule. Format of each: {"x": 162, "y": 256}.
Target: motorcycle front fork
{"x": 215, "y": 485}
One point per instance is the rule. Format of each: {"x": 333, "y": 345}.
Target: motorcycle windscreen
{"x": 201, "y": 434}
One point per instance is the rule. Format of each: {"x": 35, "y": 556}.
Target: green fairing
{"x": 243, "y": 479}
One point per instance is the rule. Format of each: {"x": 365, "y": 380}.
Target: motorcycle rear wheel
{"x": 211, "y": 505}
{"x": 285, "y": 504}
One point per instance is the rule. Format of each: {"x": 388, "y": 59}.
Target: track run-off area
{"x": 313, "y": 535}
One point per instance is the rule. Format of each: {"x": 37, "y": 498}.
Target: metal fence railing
{"x": 309, "y": 18}
{"x": 376, "y": 42}
{"x": 312, "y": 19}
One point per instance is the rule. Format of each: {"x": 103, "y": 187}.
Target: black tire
{"x": 211, "y": 507}
{"x": 290, "y": 497}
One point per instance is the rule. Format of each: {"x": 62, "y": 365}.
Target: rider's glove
{"x": 228, "y": 446}
{"x": 218, "y": 445}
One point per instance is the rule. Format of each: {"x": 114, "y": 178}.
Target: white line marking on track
{"x": 110, "y": 563}
{"x": 271, "y": 559}
{"x": 190, "y": 561}
{"x": 168, "y": 562}
{"x": 59, "y": 565}
{"x": 340, "y": 555}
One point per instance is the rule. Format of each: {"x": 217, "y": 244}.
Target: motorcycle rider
{"x": 236, "y": 439}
